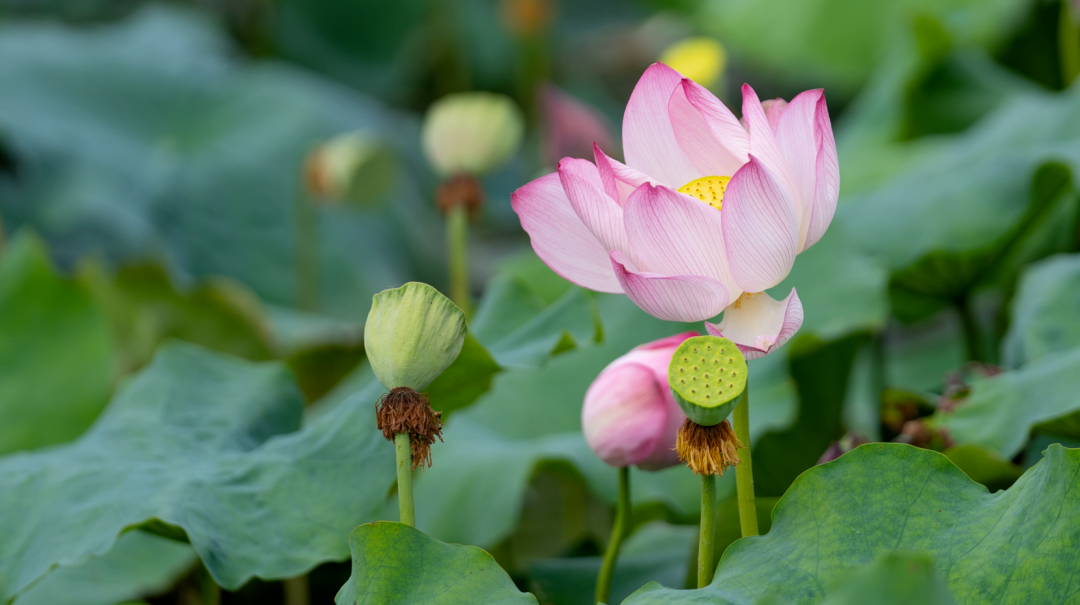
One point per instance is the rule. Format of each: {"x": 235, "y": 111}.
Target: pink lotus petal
{"x": 619, "y": 179}
{"x": 571, "y": 127}
{"x": 625, "y": 414}
{"x": 827, "y": 180}
{"x": 764, "y": 146}
{"x": 708, "y": 155}
{"x": 559, "y": 237}
{"x": 774, "y": 108}
{"x": 799, "y": 145}
{"x": 672, "y": 298}
{"x": 759, "y": 325}
{"x": 648, "y": 139}
{"x": 675, "y": 234}
{"x": 601, "y": 214}
{"x": 721, "y": 123}
{"x": 761, "y": 229}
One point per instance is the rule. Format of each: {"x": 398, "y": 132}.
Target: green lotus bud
{"x": 471, "y": 132}
{"x": 412, "y": 334}
{"x": 707, "y": 374}
{"x": 354, "y": 167}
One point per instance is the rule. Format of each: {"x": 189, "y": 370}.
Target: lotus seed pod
{"x": 355, "y": 167}
{"x": 412, "y": 334}
{"x": 471, "y": 132}
{"x": 707, "y": 374}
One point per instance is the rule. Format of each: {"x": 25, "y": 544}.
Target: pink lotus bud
{"x": 571, "y": 127}
{"x": 630, "y": 416}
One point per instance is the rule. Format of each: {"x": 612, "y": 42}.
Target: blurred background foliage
{"x": 155, "y": 187}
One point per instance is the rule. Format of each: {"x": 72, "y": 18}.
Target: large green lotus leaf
{"x": 842, "y": 41}
{"x": 1001, "y": 411}
{"x": 139, "y": 564}
{"x": 203, "y": 446}
{"x": 397, "y": 564}
{"x": 474, "y": 491}
{"x": 1017, "y": 546}
{"x": 145, "y": 308}
{"x": 842, "y": 289}
{"x": 55, "y": 350}
{"x": 150, "y": 138}
{"x": 943, "y": 224}
{"x": 1045, "y": 314}
{"x": 521, "y": 331}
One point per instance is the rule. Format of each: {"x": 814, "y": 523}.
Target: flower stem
{"x": 296, "y": 591}
{"x": 306, "y": 234}
{"x": 618, "y": 534}
{"x": 970, "y": 326}
{"x": 1068, "y": 43}
{"x": 705, "y": 566}
{"x": 209, "y": 589}
{"x": 744, "y": 473}
{"x": 457, "y": 233}
{"x": 404, "y": 479}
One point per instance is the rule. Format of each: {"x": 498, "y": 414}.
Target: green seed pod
{"x": 707, "y": 374}
{"x": 412, "y": 334}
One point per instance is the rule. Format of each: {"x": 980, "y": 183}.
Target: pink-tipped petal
{"x": 774, "y": 108}
{"x": 600, "y": 213}
{"x": 761, "y": 229}
{"x": 697, "y": 140}
{"x": 764, "y": 146}
{"x": 721, "y": 123}
{"x": 827, "y": 180}
{"x": 559, "y": 237}
{"x": 619, "y": 179}
{"x": 799, "y": 146}
{"x": 625, "y": 414}
{"x": 759, "y": 325}
{"x": 648, "y": 138}
{"x": 675, "y": 234}
{"x": 671, "y": 298}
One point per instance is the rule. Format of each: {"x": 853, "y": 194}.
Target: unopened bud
{"x": 353, "y": 167}
{"x": 412, "y": 334}
{"x": 630, "y": 416}
{"x": 471, "y": 132}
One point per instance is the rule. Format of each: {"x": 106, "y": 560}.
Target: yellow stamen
{"x": 744, "y": 297}
{"x": 709, "y": 189}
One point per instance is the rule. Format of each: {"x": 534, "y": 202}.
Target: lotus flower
{"x": 706, "y": 214}
{"x": 630, "y": 415}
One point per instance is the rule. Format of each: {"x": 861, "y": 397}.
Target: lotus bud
{"x": 630, "y": 416}
{"x": 413, "y": 333}
{"x": 707, "y": 375}
{"x": 354, "y": 167}
{"x": 701, "y": 59}
{"x": 472, "y": 133}
{"x": 571, "y": 127}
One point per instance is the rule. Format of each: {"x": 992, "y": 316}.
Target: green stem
{"x": 211, "y": 592}
{"x": 744, "y": 473}
{"x": 618, "y": 533}
{"x": 707, "y": 529}
{"x": 970, "y": 326}
{"x": 404, "y": 479}
{"x": 296, "y": 591}
{"x": 1068, "y": 44}
{"x": 457, "y": 234}
{"x": 306, "y": 232}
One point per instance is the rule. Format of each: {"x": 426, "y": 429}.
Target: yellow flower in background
{"x": 701, "y": 59}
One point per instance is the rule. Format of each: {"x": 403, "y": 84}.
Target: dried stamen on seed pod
{"x": 461, "y": 190}
{"x": 403, "y": 410}
{"x": 707, "y": 450}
